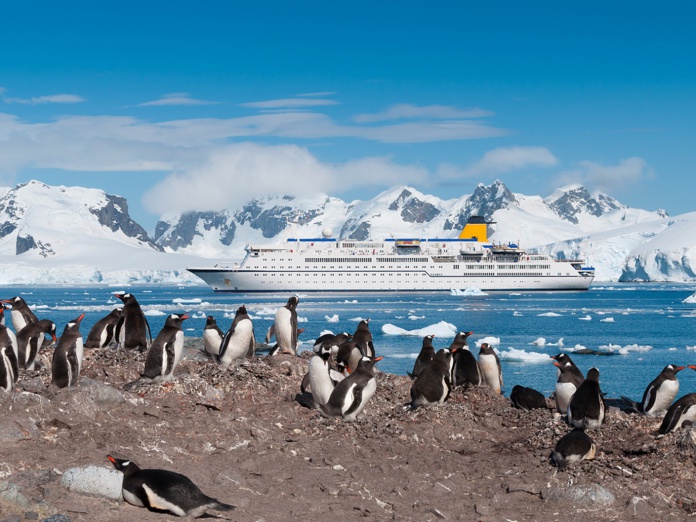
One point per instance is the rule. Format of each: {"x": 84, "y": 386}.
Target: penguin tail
{"x": 625, "y": 404}
{"x": 221, "y": 506}
{"x": 410, "y": 375}
{"x": 307, "y": 400}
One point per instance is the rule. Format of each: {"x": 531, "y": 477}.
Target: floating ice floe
{"x": 559, "y": 343}
{"x": 691, "y": 299}
{"x": 153, "y": 313}
{"x": 467, "y": 291}
{"x": 576, "y": 348}
{"x": 493, "y": 341}
{"x": 441, "y": 329}
{"x": 354, "y": 301}
{"x": 331, "y": 319}
{"x": 516, "y": 355}
{"x": 539, "y": 342}
{"x": 356, "y": 319}
{"x": 198, "y": 315}
{"x": 607, "y": 320}
{"x": 691, "y": 348}
{"x": 674, "y": 349}
{"x": 625, "y": 350}
{"x": 517, "y": 314}
{"x": 403, "y": 355}
{"x": 266, "y": 311}
{"x": 416, "y": 317}
{"x": 586, "y": 318}
{"x": 195, "y": 300}
{"x": 302, "y": 320}
{"x": 549, "y": 314}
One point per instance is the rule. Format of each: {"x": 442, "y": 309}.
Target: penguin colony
{"x": 340, "y": 381}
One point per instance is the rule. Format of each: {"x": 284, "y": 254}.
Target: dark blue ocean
{"x": 639, "y": 328}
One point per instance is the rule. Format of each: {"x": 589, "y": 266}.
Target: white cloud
{"x": 289, "y": 103}
{"x": 234, "y": 174}
{"x": 408, "y": 111}
{"x": 607, "y": 178}
{"x": 324, "y": 93}
{"x": 502, "y": 160}
{"x": 176, "y": 98}
{"x": 52, "y": 98}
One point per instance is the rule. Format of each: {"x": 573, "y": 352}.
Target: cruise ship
{"x": 396, "y": 264}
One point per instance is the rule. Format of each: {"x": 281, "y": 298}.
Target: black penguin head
{"x": 325, "y": 351}
{"x": 210, "y": 321}
{"x": 671, "y": 371}
{"x": 15, "y": 301}
{"x": 592, "y": 375}
{"x": 127, "y": 467}
{"x": 241, "y": 311}
{"x": 117, "y": 311}
{"x": 367, "y": 363}
{"x": 126, "y": 298}
{"x": 292, "y": 302}
{"x": 74, "y": 325}
{"x": 175, "y": 320}
{"x": 486, "y": 349}
{"x": 428, "y": 340}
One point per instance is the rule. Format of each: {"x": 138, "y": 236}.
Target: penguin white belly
{"x": 564, "y": 392}
{"x": 158, "y": 502}
{"x": 490, "y": 371}
{"x": 7, "y": 370}
{"x": 688, "y": 414}
{"x": 79, "y": 352}
{"x": 238, "y": 345}
{"x": 367, "y": 393}
{"x": 445, "y": 391}
{"x": 18, "y": 320}
{"x": 664, "y": 397}
{"x": 211, "y": 341}
{"x": 131, "y": 498}
{"x": 103, "y": 337}
{"x": 283, "y": 330}
{"x": 595, "y": 423}
{"x": 178, "y": 348}
{"x": 13, "y": 342}
{"x": 319, "y": 380}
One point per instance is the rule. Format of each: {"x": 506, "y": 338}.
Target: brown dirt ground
{"x": 240, "y": 436}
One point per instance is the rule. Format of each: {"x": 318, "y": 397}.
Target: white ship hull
{"x": 240, "y": 280}
{"x": 397, "y": 265}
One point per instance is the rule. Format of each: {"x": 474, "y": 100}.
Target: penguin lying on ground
{"x": 572, "y": 448}
{"x": 527, "y": 398}
{"x": 163, "y": 490}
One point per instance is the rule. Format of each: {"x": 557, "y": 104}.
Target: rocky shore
{"x": 241, "y": 437}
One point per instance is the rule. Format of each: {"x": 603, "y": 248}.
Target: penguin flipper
{"x": 671, "y": 419}
{"x": 357, "y": 399}
{"x": 648, "y": 398}
{"x": 305, "y": 383}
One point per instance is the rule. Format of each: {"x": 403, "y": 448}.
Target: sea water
{"x": 636, "y": 329}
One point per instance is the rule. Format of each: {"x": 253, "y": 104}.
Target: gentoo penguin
{"x": 363, "y": 338}
{"x": 166, "y": 351}
{"x": 212, "y": 336}
{"x": 103, "y": 332}
{"x": 349, "y": 397}
{"x": 681, "y": 412}
{"x": 132, "y": 330}
{"x": 425, "y": 357}
{"x": 67, "y": 357}
{"x": 569, "y": 380}
{"x": 586, "y": 408}
{"x": 489, "y": 363}
{"x": 163, "y": 490}
{"x": 465, "y": 370}
{"x": 661, "y": 392}
{"x": 285, "y": 326}
{"x": 21, "y": 313}
{"x": 348, "y": 357}
{"x": 319, "y": 375}
{"x": 526, "y": 398}
{"x": 239, "y": 342}
{"x": 573, "y": 447}
{"x": 433, "y": 385}
{"x": 329, "y": 339}
{"x": 9, "y": 368}
{"x": 30, "y": 340}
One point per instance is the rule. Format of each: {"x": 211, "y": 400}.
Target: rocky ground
{"x": 240, "y": 435}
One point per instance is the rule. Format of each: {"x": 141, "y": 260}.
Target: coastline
{"x": 240, "y": 435}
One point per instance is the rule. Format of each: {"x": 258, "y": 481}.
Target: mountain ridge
{"x": 49, "y": 234}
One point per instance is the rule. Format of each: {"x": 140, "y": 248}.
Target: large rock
{"x": 93, "y": 480}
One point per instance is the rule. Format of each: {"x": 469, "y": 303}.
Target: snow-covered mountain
{"x": 73, "y": 234}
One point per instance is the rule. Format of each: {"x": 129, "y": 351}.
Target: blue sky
{"x": 182, "y": 105}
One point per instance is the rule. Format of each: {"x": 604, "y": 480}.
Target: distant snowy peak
{"x": 569, "y": 202}
{"x": 34, "y": 216}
